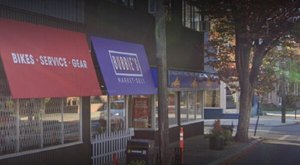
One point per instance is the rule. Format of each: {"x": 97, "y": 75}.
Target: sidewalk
{"x": 197, "y": 152}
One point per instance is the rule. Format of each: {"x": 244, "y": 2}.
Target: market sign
{"x": 41, "y": 61}
{"x": 124, "y": 67}
{"x": 196, "y": 80}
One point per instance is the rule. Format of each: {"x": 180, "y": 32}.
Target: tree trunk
{"x": 242, "y": 62}
{"x": 245, "y": 109}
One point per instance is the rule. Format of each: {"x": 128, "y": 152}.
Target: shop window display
{"x": 28, "y": 124}
{"x": 141, "y": 112}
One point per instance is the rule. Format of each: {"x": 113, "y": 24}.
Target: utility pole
{"x": 163, "y": 120}
{"x": 283, "y": 92}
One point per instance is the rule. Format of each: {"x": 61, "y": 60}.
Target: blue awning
{"x": 124, "y": 67}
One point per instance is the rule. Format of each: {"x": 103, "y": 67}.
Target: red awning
{"x": 40, "y": 61}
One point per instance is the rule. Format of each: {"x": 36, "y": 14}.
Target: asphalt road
{"x": 272, "y": 152}
{"x": 281, "y": 146}
{"x": 281, "y": 133}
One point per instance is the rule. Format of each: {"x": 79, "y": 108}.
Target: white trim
{"x": 126, "y": 111}
{"x": 39, "y": 150}
{"x": 213, "y": 108}
{"x": 144, "y": 129}
{"x": 192, "y": 122}
{"x": 173, "y": 125}
{"x": 140, "y": 74}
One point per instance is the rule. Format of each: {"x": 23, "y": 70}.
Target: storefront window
{"x": 199, "y": 105}
{"x": 27, "y": 124}
{"x": 107, "y": 117}
{"x": 141, "y": 112}
{"x": 191, "y": 106}
{"x": 117, "y": 111}
{"x": 99, "y": 118}
{"x": 212, "y": 98}
{"x": 183, "y": 107}
{"x": 192, "y": 96}
{"x": 172, "y": 108}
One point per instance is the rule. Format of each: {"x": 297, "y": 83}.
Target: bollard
{"x": 181, "y": 143}
{"x": 115, "y": 159}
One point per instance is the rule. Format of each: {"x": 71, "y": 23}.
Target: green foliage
{"x": 258, "y": 27}
{"x": 291, "y": 101}
{"x": 221, "y": 132}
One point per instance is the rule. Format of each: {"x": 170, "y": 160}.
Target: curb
{"x": 230, "y": 159}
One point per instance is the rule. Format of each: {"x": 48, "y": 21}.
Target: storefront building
{"x": 45, "y": 74}
{"x": 126, "y": 76}
{"x": 128, "y": 90}
{"x": 129, "y": 97}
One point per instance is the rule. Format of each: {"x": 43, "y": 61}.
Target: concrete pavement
{"x": 197, "y": 152}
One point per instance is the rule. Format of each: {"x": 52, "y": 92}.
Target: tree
{"x": 258, "y": 26}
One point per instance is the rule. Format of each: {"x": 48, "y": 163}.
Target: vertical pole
{"x": 163, "y": 121}
{"x": 18, "y": 125}
{"x": 283, "y": 96}
{"x": 42, "y": 114}
{"x": 115, "y": 159}
{"x": 258, "y": 114}
{"x": 62, "y": 129}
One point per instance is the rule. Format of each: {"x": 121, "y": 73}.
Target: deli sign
{"x": 125, "y": 64}
{"x": 41, "y": 61}
{"x": 124, "y": 67}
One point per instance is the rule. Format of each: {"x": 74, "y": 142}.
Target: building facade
{"x": 55, "y": 120}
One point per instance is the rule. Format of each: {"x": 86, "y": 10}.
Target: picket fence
{"x": 106, "y": 145}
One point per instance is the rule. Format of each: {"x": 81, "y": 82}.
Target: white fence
{"x": 105, "y": 145}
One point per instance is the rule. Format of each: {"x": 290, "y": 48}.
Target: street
{"x": 280, "y": 133}
{"x": 272, "y": 152}
{"x": 280, "y": 144}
